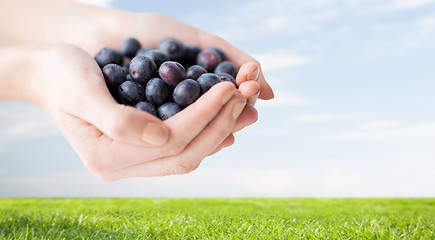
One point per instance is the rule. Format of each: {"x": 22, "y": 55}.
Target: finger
{"x": 188, "y": 123}
{"x": 251, "y": 71}
{"x": 188, "y": 160}
{"x": 238, "y": 57}
{"x": 248, "y": 117}
{"x": 226, "y": 143}
{"x": 250, "y": 90}
{"x": 118, "y": 121}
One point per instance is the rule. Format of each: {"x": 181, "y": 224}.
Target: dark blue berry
{"x": 207, "y": 80}
{"x": 186, "y": 92}
{"x": 108, "y": 55}
{"x": 173, "y": 47}
{"x": 191, "y": 54}
{"x": 226, "y": 67}
{"x": 129, "y": 47}
{"x": 126, "y": 66}
{"x": 227, "y": 77}
{"x": 220, "y": 52}
{"x": 157, "y": 56}
{"x": 131, "y": 92}
{"x": 114, "y": 75}
{"x": 172, "y": 73}
{"x": 142, "y": 69}
{"x": 167, "y": 110}
{"x": 208, "y": 59}
{"x": 142, "y": 51}
{"x": 147, "y": 107}
{"x": 156, "y": 91}
{"x": 195, "y": 71}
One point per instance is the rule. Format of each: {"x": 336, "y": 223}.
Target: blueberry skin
{"x": 220, "y": 52}
{"x": 129, "y": 47}
{"x": 186, "y": 92}
{"x": 195, "y": 71}
{"x": 172, "y": 73}
{"x": 131, "y": 92}
{"x": 142, "y": 69}
{"x": 157, "y": 56}
{"x": 167, "y": 110}
{"x": 207, "y": 80}
{"x": 226, "y": 67}
{"x": 227, "y": 77}
{"x": 156, "y": 91}
{"x": 192, "y": 52}
{"x": 147, "y": 107}
{"x": 144, "y": 50}
{"x": 108, "y": 55}
{"x": 114, "y": 75}
{"x": 173, "y": 47}
{"x": 208, "y": 59}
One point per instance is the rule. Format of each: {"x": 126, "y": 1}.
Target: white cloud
{"x": 283, "y": 98}
{"x": 397, "y": 5}
{"x": 276, "y": 61}
{"x": 25, "y": 121}
{"x": 379, "y": 124}
{"x": 209, "y": 182}
{"x": 425, "y": 131}
{"x": 325, "y": 117}
{"x": 101, "y": 3}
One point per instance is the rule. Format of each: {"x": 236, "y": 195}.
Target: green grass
{"x": 217, "y": 218}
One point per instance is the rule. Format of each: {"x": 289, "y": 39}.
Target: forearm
{"x": 17, "y": 71}
{"x": 50, "y": 21}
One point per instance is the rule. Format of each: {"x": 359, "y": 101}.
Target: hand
{"x": 154, "y": 27}
{"x": 117, "y": 141}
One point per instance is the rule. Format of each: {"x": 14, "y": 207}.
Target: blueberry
{"x": 191, "y": 54}
{"x": 142, "y": 69}
{"x": 207, "y": 80}
{"x": 227, "y": 77}
{"x": 114, "y": 75}
{"x": 108, "y": 55}
{"x": 172, "y": 73}
{"x": 186, "y": 92}
{"x": 147, "y": 107}
{"x": 195, "y": 71}
{"x": 220, "y": 52}
{"x": 173, "y": 47}
{"x": 131, "y": 92}
{"x": 142, "y": 51}
{"x": 126, "y": 66}
{"x": 156, "y": 91}
{"x": 208, "y": 59}
{"x": 226, "y": 67}
{"x": 167, "y": 110}
{"x": 129, "y": 47}
{"x": 157, "y": 56}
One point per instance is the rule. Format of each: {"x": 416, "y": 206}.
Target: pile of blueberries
{"x": 155, "y": 80}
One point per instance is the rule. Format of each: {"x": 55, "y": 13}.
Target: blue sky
{"x": 353, "y": 113}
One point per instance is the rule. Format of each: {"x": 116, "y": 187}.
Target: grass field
{"x": 217, "y": 218}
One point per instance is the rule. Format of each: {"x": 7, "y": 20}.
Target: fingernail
{"x": 227, "y": 96}
{"x": 155, "y": 134}
{"x": 237, "y": 109}
{"x": 253, "y": 76}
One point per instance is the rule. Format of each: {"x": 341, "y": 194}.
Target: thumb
{"x": 122, "y": 122}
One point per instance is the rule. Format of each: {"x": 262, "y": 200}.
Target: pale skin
{"x": 49, "y": 62}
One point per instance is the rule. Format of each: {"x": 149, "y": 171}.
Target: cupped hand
{"x": 117, "y": 141}
{"x": 150, "y": 28}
